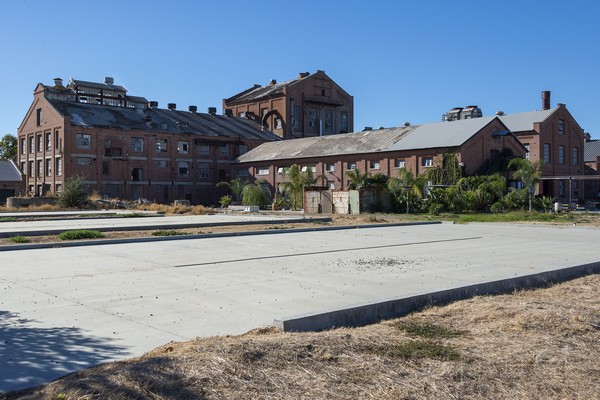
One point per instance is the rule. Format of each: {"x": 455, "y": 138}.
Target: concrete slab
{"x": 65, "y": 309}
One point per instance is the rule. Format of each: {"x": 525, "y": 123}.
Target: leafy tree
{"x": 448, "y": 173}
{"x": 8, "y": 147}
{"x": 406, "y": 188}
{"x": 253, "y": 194}
{"x": 74, "y": 193}
{"x": 357, "y": 179}
{"x": 529, "y": 173}
{"x": 296, "y": 181}
{"x": 236, "y": 186}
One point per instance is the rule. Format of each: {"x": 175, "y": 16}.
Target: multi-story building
{"x": 126, "y": 147}
{"x": 591, "y": 158}
{"x": 477, "y": 143}
{"x": 310, "y": 105}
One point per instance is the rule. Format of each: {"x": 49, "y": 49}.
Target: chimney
{"x": 212, "y": 110}
{"x": 172, "y": 106}
{"x": 154, "y": 104}
{"x": 228, "y": 112}
{"x": 273, "y": 82}
{"x": 546, "y": 100}
{"x": 368, "y": 128}
{"x": 587, "y": 137}
{"x": 499, "y": 113}
{"x": 109, "y": 81}
{"x": 58, "y": 82}
{"x": 406, "y": 124}
{"x": 303, "y": 75}
{"x": 193, "y": 109}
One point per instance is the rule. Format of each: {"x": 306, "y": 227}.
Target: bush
{"x": 74, "y": 193}
{"x": 81, "y": 234}
{"x": 253, "y": 194}
{"x": 167, "y": 233}
{"x": 19, "y": 239}
{"x": 225, "y": 201}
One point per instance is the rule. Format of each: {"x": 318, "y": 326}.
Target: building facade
{"x": 126, "y": 147}
{"x": 477, "y": 143}
{"x": 310, "y": 105}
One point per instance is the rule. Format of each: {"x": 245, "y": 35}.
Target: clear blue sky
{"x": 402, "y": 61}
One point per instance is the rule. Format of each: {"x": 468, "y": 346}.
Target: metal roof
{"x": 160, "y": 120}
{"x": 9, "y": 172}
{"x": 97, "y": 85}
{"x": 520, "y": 122}
{"x": 258, "y": 92}
{"x": 412, "y": 137}
{"x": 591, "y": 150}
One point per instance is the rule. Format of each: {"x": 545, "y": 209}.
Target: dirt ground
{"x": 539, "y": 344}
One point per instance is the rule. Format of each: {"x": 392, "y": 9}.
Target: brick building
{"x": 126, "y": 147}
{"x": 591, "y": 158}
{"x": 477, "y": 143}
{"x": 310, "y": 105}
{"x": 11, "y": 180}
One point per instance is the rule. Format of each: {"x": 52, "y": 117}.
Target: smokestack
{"x": 546, "y": 100}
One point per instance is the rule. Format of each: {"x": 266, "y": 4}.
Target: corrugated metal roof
{"x": 520, "y": 122}
{"x": 439, "y": 134}
{"x": 97, "y": 85}
{"x": 259, "y": 92}
{"x": 591, "y": 150}
{"x": 9, "y": 172}
{"x": 91, "y": 115}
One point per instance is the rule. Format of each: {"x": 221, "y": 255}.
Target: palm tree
{"x": 357, "y": 179}
{"x": 236, "y": 186}
{"x": 529, "y": 173}
{"x": 297, "y": 180}
{"x": 406, "y": 187}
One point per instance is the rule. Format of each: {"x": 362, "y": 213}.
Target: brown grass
{"x": 538, "y": 344}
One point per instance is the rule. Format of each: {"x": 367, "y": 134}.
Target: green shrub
{"x": 167, "y": 233}
{"x": 253, "y": 194}
{"x": 19, "y": 239}
{"x": 7, "y": 219}
{"x": 74, "y": 193}
{"x": 429, "y": 330}
{"x": 81, "y": 234}
{"x": 225, "y": 201}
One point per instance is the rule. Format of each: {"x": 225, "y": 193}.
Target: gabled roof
{"x": 524, "y": 121}
{"x": 9, "y": 172}
{"x": 435, "y": 135}
{"x": 91, "y": 115}
{"x": 591, "y": 150}
{"x": 258, "y": 92}
{"x": 97, "y": 85}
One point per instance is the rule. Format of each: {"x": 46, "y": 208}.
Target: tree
{"x": 357, "y": 179}
{"x": 406, "y": 187}
{"x": 8, "y": 147}
{"x": 448, "y": 174}
{"x": 253, "y": 194}
{"x": 236, "y": 186}
{"x": 529, "y": 173}
{"x": 74, "y": 193}
{"x": 297, "y": 180}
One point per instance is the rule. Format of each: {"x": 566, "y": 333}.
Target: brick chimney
{"x": 546, "y": 100}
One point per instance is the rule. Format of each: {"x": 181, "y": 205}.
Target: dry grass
{"x": 169, "y": 209}
{"x": 538, "y": 344}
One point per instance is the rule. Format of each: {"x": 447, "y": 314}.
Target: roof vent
{"x": 273, "y": 82}
{"x": 154, "y": 104}
{"x": 193, "y": 109}
{"x": 303, "y": 75}
{"x": 172, "y": 106}
{"x": 212, "y": 110}
{"x": 499, "y": 113}
{"x": 58, "y": 82}
{"x": 248, "y": 115}
{"x": 228, "y": 112}
{"x": 109, "y": 81}
{"x": 381, "y": 127}
{"x": 368, "y": 128}
{"x": 406, "y": 124}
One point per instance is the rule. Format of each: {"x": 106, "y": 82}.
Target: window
{"x": 262, "y": 171}
{"x": 31, "y": 144}
{"x": 23, "y": 149}
{"x": 343, "y": 122}
{"x": 561, "y": 127}
{"x": 575, "y": 156}
{"x": 58, "y": 188}
{"x": 561, "y": 188}
{"x": 561, "y": 154}
{"x": 40, "y": 143}
{"x": 59, "y": 166}
{"x": 241, "y": 173}
{"x": 243, "y": 149}
{"x": 183, "y": 169}
{"x": 56, "y": 140}
{"x": 547, "y": 158}
{"x": 351, "y": 165}
{"x": 296, "y": 116}
{"x": 278, "y": 123}
{"x": 30, "y": 169}
{"x": 161, "y": 145}
{"x": 40, "y": 168}
{"x": 137, "y": 174}
{"x": 527, "y": 147}
{"x": 282, "y": 170}
{"x": 49, "y": 141}
{"x": 183, "y": 147}
{"x": 137, "y": 144}
{"x": 224, "y": 150}
{"x": 204, "y": 170}
{"x": 83, "y": 160}
{"x": 23, "y": 170}
{"x": 330, "y": 167}
{"x": 399, "y": 163}
{"x": 84, "y": 141}
{"x": 313, "y": 168}
{"x": 161, "y": 163}
{"x": 48, "y": 167}
{"x": 330, "y": 185}
{"x": 38, "y": 116}
{"x": 263, "y": 112}
{"x": 312, "y": 117}
{"x": 374, "y": 164}
{"x": 427, "y": 161}
{"x": 328, "y": 128}
{"x": 105, "y": 167}
{"x": 203, "y": 150}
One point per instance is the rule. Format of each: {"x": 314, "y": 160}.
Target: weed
{"x": 7, "y": 219}
{"x": 80, "y": 234}
{"x": 430, "y": 331}
{"x": 425, "y": 349}
{"x": 167, "y": 233}
{"x": 19, "y": 239}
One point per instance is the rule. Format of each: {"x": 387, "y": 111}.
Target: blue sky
{"x": 402, "y": 61}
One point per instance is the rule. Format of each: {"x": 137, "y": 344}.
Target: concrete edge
{"x": 43, "y": 232}
{"x": 375, "y": 312}
{"x": 99, "y": 242}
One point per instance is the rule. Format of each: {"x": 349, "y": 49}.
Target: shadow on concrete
{"x": 30, "y": 356}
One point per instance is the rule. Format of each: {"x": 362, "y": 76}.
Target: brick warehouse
{"x": 477, "y": 143}
{"x": 126, "y": 147}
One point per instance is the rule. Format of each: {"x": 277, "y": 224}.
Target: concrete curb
{"x": 43, "y": 232}
{"x": 371, "y": 313}
{"x": 204, "y": 236}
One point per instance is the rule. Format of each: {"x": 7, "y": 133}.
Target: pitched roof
{"x": 259, "y": 92}
{"x": 520, "y": 122}
{"x": 9, "y": 172}
{"x": 412, "y": 137}
{"x": 97, "y": 85}
{"x": 173, "y": 121}
{"x": 591, "y": 150}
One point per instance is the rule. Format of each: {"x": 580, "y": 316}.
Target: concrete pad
{"x": 110, "y": 302}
